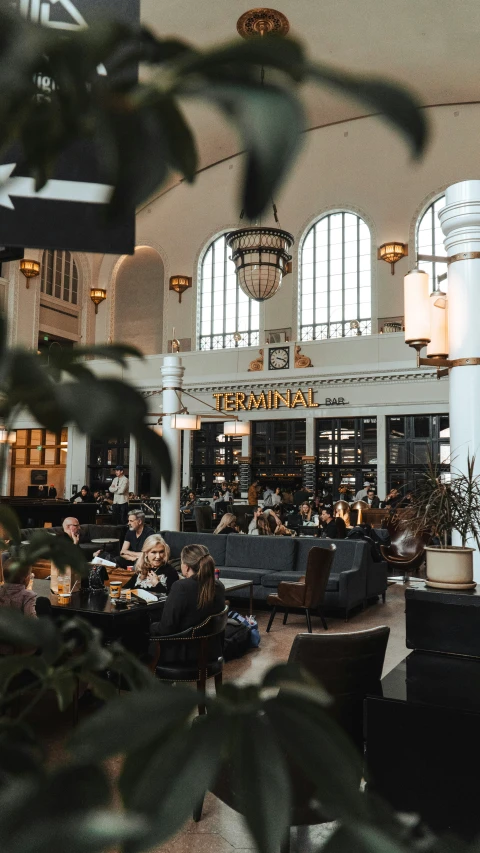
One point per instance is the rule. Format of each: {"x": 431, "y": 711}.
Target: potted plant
{"x": 439, "y": 508}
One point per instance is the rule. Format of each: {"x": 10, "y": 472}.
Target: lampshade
{"x": 180, "y": 283}
{"x": 97, "y": 295}
{"x": 261, "y": 257}
{"x": 186, "y": 421}
{"x": 416, "y": 308}
{"x": 158, "y": 428}
{"x": 392, "y": 252}
{"x": 236, "y": 428}
{"x": 438, "y": 345}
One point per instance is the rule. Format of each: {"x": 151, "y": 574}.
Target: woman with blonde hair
{"x": 228, "y": 524}
{"x": 152, "y": 569}
{"x": 192, "y": 600}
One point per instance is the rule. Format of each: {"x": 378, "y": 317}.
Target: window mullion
{"x": 343, "y": 275}
{"x": 328, "y": 276}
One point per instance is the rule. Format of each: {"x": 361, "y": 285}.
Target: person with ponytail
{"x": 191, "y": 600}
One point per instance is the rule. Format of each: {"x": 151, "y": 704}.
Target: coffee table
{"x": 104, "y": 541}
{"x": 231, "y": 584}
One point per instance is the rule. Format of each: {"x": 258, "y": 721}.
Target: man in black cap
{"x": 328, "y": 523}
{"x": 119, "y": 489}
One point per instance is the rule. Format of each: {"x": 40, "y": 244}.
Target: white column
{"x": 76, "y": 473}
{"x": 381, "y": 456}
{"x": 460, "y": 220}
{"x": 132, "y": 465}
{"x": 172, "y": 377}
{"x": 186, "y": 460}
{"x": 310, "y": 437}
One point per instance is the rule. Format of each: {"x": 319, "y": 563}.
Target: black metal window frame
{"x": 344, "y": 451}
{"x": 407, "y": 451}
{"x": 271, "y": 450}
{"x": 104, "y": 455}
{"x": 228, "y": 337}
{"x": 208, "y": 461}
{"x": 334, "y": 328}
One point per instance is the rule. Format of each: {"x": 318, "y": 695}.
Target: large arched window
{"x": 228, "y": 318}
{"x": 335, "y": 276}
{"x": 59, "y": 275}
{"x": 431, "y": 254}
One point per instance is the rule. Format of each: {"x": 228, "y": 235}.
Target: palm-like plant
{"x": 439, "y": 508}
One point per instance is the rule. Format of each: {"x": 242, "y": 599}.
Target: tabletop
{"x": 104, "y": 541}
{"x": 100, "y": 602}
{"x": 234, "y": 583}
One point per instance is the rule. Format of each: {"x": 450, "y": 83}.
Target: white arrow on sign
{"x": 53, "y": 190}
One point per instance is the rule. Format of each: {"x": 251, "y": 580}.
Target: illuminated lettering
{"x": 229, "y": 402}
{"x": 311, "y": 404}
{"x": 218, "y": 398}
{"x": 277, "y": 397}
{"x": 299, "y": 399}
{"x": 255, "y": 403}
{"x": 269, "y": 400}
{"x": 239, "y": 401}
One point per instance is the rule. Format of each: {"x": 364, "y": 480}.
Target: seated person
{"x": 71, "y": 530}
{"x": 393, "y": 498}
{"x": 133, "y": 543}
{"x": 228, "y": 524}
{"x": 372, "y": 499}
{"x": 341, "y": 528}
{"x": 262, "y": 527}
{"x": 16, "y": 594}
{"x": 190, "y": 602}
{"x": 275, "y": 522}
{"x": 257, "y": 513}
{"x": 187, "y": 508}
{"x": 153, "y": 571}
{"x": 328, "y": 523}
{"x": 84, "y": 496}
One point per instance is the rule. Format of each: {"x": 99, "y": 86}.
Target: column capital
{"x": 460, "y": 218}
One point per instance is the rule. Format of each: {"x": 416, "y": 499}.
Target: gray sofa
{"x": 87, "y": 533}
{"x": 266, "y": 561}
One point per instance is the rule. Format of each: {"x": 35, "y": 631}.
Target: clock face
{"x": 278, "y": 358}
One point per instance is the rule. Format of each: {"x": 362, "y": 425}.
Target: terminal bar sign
{"x": 70, "y": 211}
{"x": 238, "y": 401}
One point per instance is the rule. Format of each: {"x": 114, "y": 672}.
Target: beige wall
{"x": 21, "y": 480}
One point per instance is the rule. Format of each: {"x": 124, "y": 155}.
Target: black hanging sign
{"x": 69, "y": 211}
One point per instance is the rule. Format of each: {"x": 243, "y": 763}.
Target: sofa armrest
{"x": 352, "y": 586}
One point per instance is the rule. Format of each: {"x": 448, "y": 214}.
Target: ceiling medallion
{"x": 260, "y": 22}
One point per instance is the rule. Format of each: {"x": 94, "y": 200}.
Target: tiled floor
{"x": 222, "y": 830}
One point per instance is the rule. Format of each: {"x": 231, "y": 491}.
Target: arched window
{"x": 431, "y": 254}
{"x": 228, "y": 318}
{"x": 335, "y": 276}
{"x": 59, "y": 276}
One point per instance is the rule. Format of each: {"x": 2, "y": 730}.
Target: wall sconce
{"x": 392, "y": 252}
{"x": 180, "y": 283}
{"x": 30, "y": 269}
{"x": 97, "y": 295}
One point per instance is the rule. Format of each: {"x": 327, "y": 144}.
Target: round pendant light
{"x": 261, "y": 257}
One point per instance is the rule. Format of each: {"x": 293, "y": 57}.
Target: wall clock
{"x": 279, "y": 358}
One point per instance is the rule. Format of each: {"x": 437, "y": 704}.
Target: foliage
{"x": 138, "y": 128}
{"x": 439, "y": 508}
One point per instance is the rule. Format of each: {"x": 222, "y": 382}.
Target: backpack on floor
{"x": 237, "y": 639}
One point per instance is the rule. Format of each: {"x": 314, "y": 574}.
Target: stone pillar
{"x": 187, "y": 459}
{"x": 244, "y": 474}
{"x": 77, "y": 453}
{"x": 310, "y": 436}
{"x": 460, "y": 221}
{"x": 132, "y": 465}
{"x": 309, "y": 472}
{"x": 381, "y": 455}
{"x": 172, "y": 378}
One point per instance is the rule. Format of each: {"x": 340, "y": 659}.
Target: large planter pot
{"x": 450, "y": 568}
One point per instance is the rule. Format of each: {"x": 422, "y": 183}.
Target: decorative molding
{"x": 256, "y": 364}
{"x": 301, "y": 360}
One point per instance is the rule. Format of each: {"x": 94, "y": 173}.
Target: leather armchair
{"x": 307, "y": 593}
{"x": 406, "y": 551}
{"x": 203, "y": 518}
{"x": 191, "y": 670}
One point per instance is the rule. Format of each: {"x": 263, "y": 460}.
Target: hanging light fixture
{"x": 417, "y": 309}
{"x": 261, "y": 254}
{"x": 186, "y": 421}
{"x": 438, "y": 346}
{"x": 236, "y": 428}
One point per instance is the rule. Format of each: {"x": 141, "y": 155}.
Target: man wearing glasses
{"x": 71, "y": 528}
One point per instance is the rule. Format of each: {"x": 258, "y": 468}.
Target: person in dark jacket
{"x": 153, "y": 572}
{"x": 190, "y": 602}
{"x": 328, "y": 523}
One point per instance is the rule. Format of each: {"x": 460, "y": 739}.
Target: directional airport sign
{"x": 69, "y": 212}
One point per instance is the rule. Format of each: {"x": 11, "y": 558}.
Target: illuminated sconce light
{"x": 180, "y": 283}
{"x": 186, "y": 421}
{"x": 438, "y": 346}
{"x": 417, "y": 309}
{"x": 30, "y": 269}
{"x": 392, "y": 252}
{"x": 97, "y": 295}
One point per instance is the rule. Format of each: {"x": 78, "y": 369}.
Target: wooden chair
{"x": 349, "y": 666}
{"x": 308, "y": 592}
{"x": 196, "y": 639}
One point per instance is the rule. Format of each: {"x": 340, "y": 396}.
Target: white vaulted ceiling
{"x": 431, "y": 46}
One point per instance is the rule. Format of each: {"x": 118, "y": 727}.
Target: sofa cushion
{"x": 260, "y": 552}
{"x": 348, "y": 553}
{"x": 105, "y": 531}
{"x": 215, "y": 544}
{"x": 237, "y": 573}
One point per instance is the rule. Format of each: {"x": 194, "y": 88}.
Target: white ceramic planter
{"x": 450, "y": 568}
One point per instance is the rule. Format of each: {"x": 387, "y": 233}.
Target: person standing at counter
{"x": 119, "y": 489}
